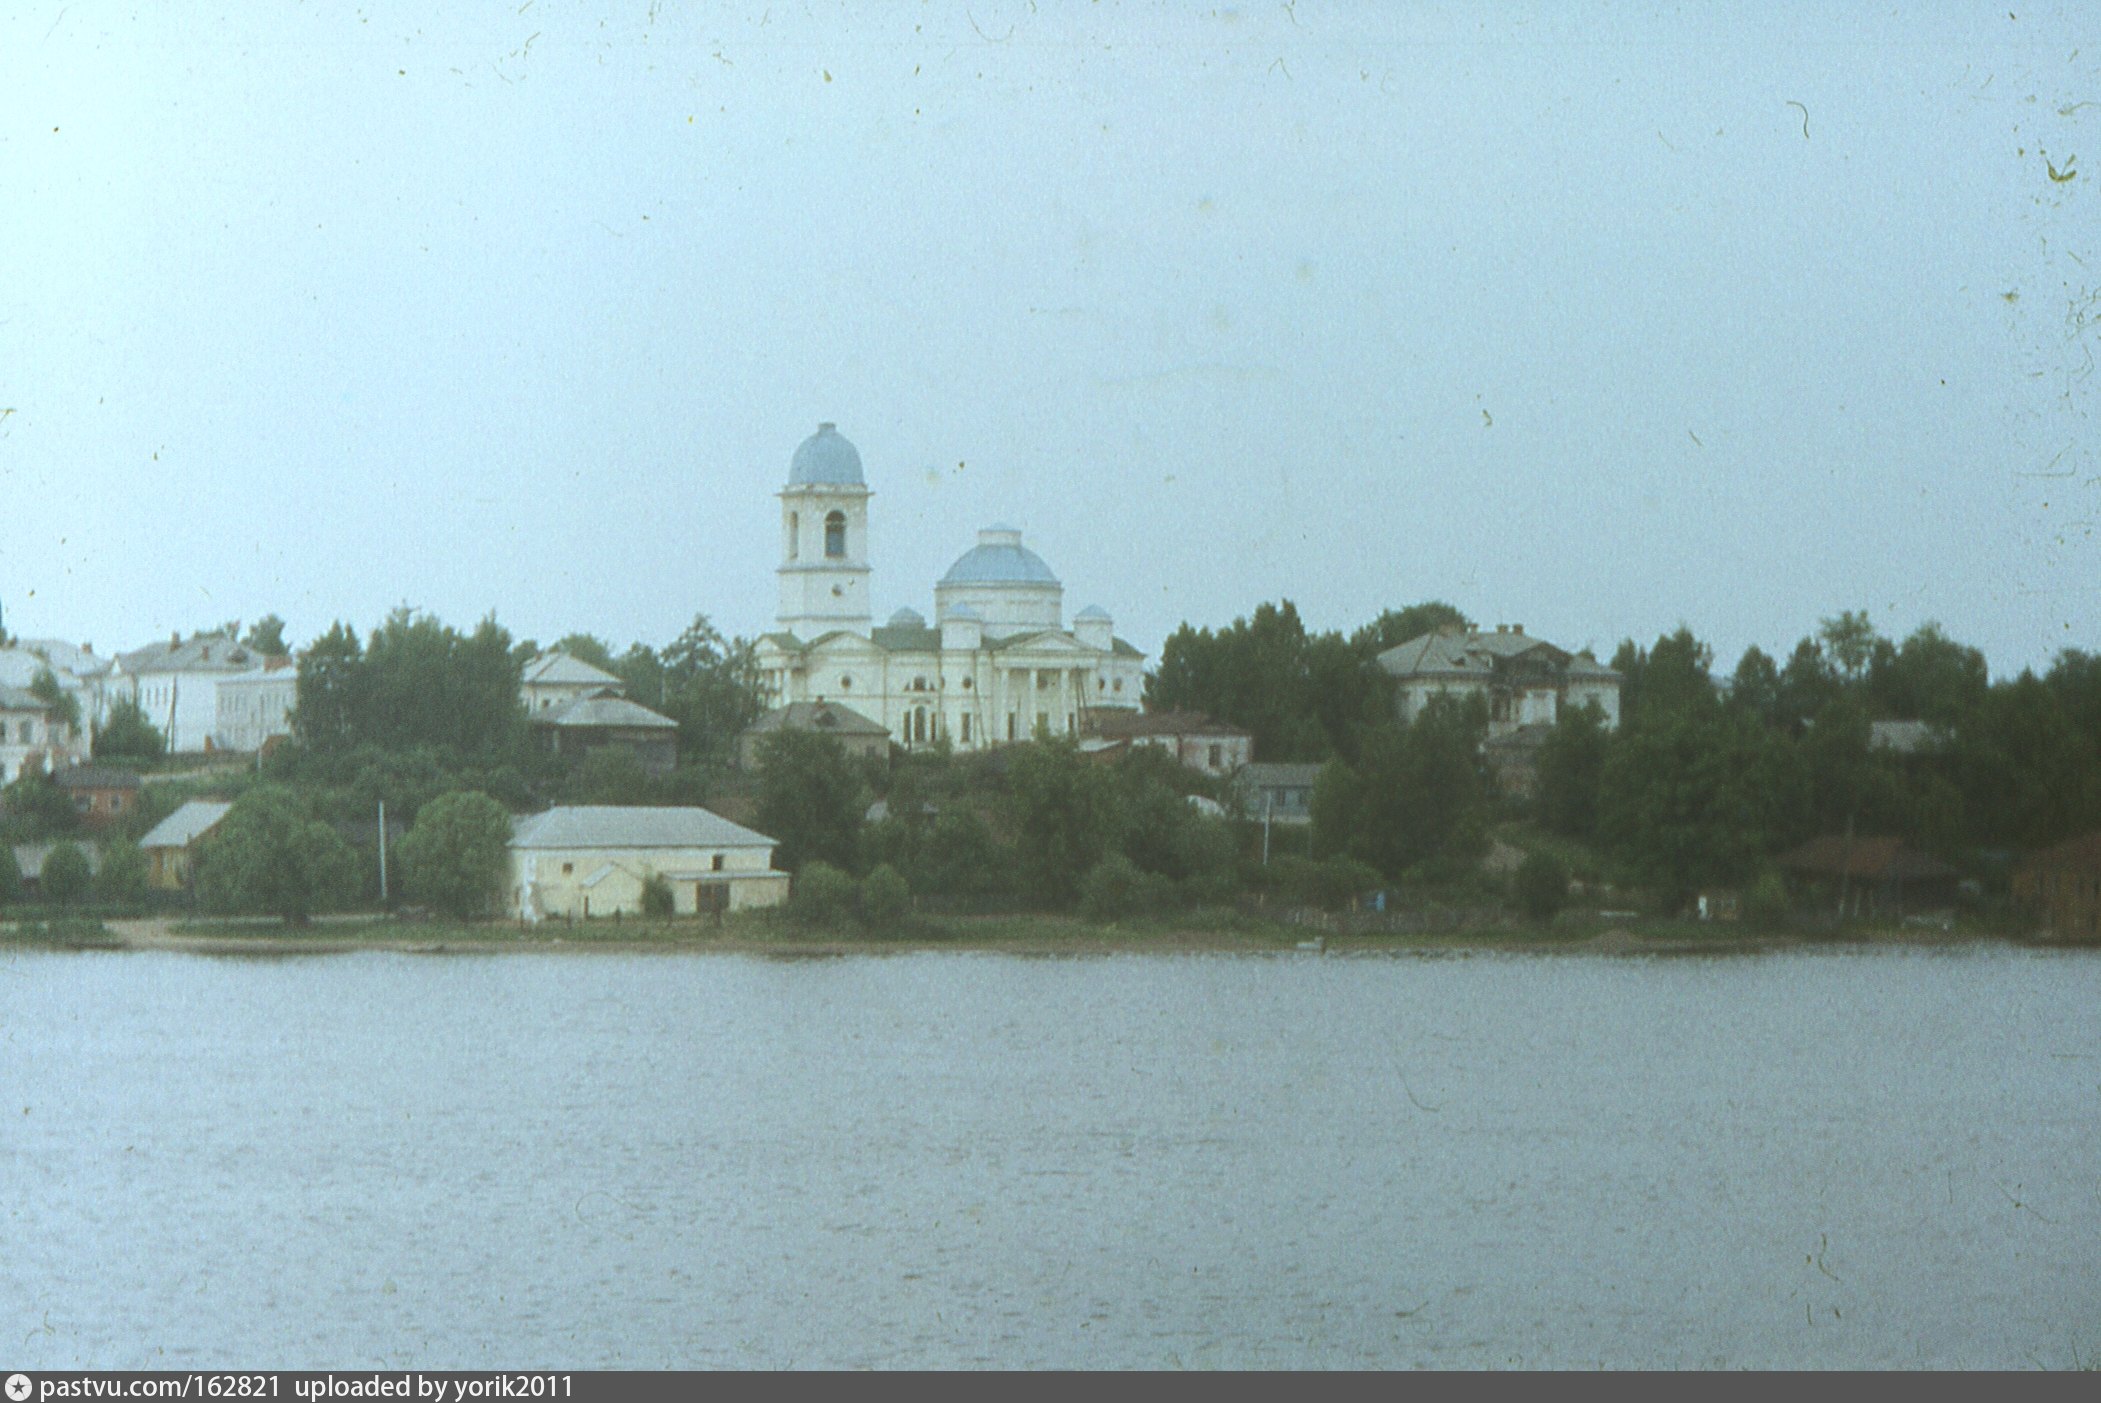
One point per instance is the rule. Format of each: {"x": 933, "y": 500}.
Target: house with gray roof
{"x": 589, "y": 861}
{"x": 856, "y": 734}
{"x": 171, "y": 845}
{"x": 576, "y": 708}
{"x": 176, "y": 684}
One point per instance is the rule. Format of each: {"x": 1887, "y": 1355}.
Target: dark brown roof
{"x": 1869, "y": 859}
{"x": 2083, "y": 853}
{"x": 95, "y": 777}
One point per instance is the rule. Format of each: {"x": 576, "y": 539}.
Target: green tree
{"x": 1540, "y": 885}
{"x": 885, "y": 897}
{"x": 1851, "y": 639}
{"x": 1394, "y": 627}
{"x": 658, "y": 900}
{"x": 1808, "y": 684}
{"x": 457, "y": 854}
{"x": 1571, "y": 767}
{"x": 126, "y": 734}
{"x": 122, "y": 878}
{"x": 1930, "y": 677}
{"x": 1755, "y": 686}
{"x": 37, "y": 809}
{"x": 707, "y": 683}
{"x": 67, "y": 875}
{"x": 1258, "y": 674}
{"x": 1416, "y": 796}
{"x": 267, "y": 636}
{"x": 810, "y": 800}
{"x": 823, "y": 895}
{"x": 270, "y": 854}
{"x": 609, "y": 774}
{"x": 331, "y": 698}
{"x": 10, "y": 875}
{"x": 59, "y": 704}
{"x": 1066, "y": 817}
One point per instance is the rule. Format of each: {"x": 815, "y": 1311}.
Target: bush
{"x": 885, "y": 897}
{"x": 1541, "y": 885}
{"x": 823, "y": 896}
{"x": 123, "y": 875}
{"x": 1765, "y": 902}
{"x": 66, "y": 874}
{"x": 657, "y": 899}
{"x": 458, "y": 854}
{"x": 1110, "y": 890}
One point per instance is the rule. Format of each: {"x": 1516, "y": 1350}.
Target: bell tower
{"x": 824, "y": 539}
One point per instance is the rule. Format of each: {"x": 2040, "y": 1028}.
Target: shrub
{"x": 458, "y": 854}
{"x": 66, "y": 874}
{"x": 823, "y": 895}
{"x": 1765, "y": 903}
{"x": 123, "y": 875}
{"x": 1114, "y": 888}
{"x": 1541, "y": 885}
{"x": 885, "y": 897}
{"x": 657, "y": 899}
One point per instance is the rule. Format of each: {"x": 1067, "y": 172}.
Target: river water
{"x": 1836, "y": 1158}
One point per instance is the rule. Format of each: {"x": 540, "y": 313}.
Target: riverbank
{"x": 1029, "y": 935}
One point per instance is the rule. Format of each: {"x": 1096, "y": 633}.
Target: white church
{"x": 997, "y": 664}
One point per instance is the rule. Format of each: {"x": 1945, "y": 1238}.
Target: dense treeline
{"x": 1707, "y": 777}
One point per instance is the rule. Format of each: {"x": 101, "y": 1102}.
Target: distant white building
{"x": 80, "y": 673}
{"x": 176, "y": 684}
{"x": 997, "y": 664}
{"x": 34, "y": 739}
{"x": 1524, "y": 681}
{"x": 553, "y": 680}
{"x": 589, "y": 861}
{"x": 252, "y": 708}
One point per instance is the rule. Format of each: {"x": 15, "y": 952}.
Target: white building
{"x": 80, "y": 673}
{"x": 176, "y": 684}
{"x": 553, "y": 680}
{"x": 591, "y": 861}
{"x": 33, "y": 739}
{"x": 1524, "y": 681}
{"x": 250, "y": 708}
{"x": 997, "y": 664}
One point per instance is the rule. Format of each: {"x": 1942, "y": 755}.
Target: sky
{"x": 1595, "y": 318}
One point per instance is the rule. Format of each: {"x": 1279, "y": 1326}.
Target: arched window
{"x": 794, "y": 535}
{"x": 835, "y": 536}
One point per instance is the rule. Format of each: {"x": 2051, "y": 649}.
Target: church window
{"x": 1101, "y": 684}
{"x": 835, "y": 536}
{"x": 1119, "y": 684}
{"x": 717, "y": 865}
{"x": 846, "y": 684}
{"x": 1010, "y": 725}
{"x": 966, "y": 728}
{"x": 794, "y": 535}
{"x": 966, "y": 684}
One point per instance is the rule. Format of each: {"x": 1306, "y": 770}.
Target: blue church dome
{"x": 826, "y": 459}
{"x": 999, "y": 558}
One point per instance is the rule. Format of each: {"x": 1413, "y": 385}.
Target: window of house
{"x": 966, "y": 684}
{"x": 1118, "y": 685}
{"x": 1218, "y": 756}
{"x": 835, "y": 536}
{"x": 717, "y": 865}
{"x": 846, "y": 684}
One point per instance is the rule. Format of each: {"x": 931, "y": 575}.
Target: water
{"x": 380, "y": 1160}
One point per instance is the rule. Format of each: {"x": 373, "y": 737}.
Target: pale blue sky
{"x": 1592, "y": 318}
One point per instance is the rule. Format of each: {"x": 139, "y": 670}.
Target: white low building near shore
{"x": 581, "y": 862}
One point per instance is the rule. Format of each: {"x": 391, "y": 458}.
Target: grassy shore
{"x": 773, "y": 934}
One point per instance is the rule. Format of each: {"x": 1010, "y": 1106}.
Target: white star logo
{"x": 17, "y": 1387}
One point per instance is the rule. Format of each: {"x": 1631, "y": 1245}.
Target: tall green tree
{"x": 270, "y": 854}
{"x": 1066, "y": 817}
{"x": 811, "y": 800}
{"x": 329, "y": 713}
{"x": 1851, "y": 641}
{"x": 1416, "y": 796}
{"x": 457, "y": 856}
{"x": 1695, "y": 796}
{"x": 1929, "y": 677}
{"x": 267, "y": 636}
{"x": 126, "y": 734}
{"x": 1571, "y": 769}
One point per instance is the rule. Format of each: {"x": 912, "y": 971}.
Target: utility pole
{"x": 382, "y": 852}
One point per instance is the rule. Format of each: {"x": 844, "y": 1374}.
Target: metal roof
{"x": 563, "y": 670}
{"x": 999, "y": 558}
{"x": 606, "y": 826}
{"x": 826, "y": 459}
{"x": 828, "y": 717}
{"x": 214, "y": 652}
{"x": 186, "y": 825}
{"x": 605, "y": 711}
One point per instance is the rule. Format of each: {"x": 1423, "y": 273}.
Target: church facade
{"x": 997, "y": 663}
